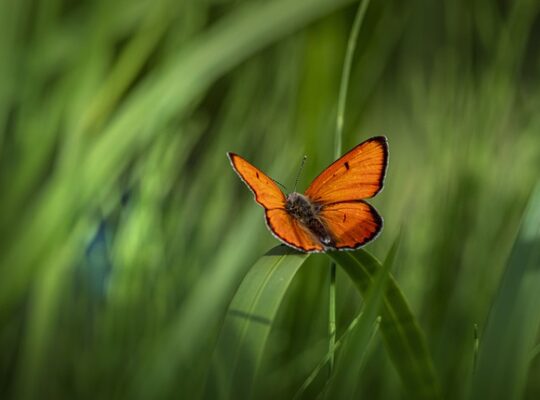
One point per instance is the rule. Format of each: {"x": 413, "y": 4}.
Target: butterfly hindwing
{"x": 290, "y": 231}
{"x": 351, "y": 224}
{"x": 359, "y": 174}
{"x": 265, "y": 190}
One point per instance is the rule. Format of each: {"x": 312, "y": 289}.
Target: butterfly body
{"x": 332, "y": 213}
{"x": 307, "y": 213}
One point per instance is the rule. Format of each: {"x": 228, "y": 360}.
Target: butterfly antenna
{"x": 280, "y": 184}
{"x": 299, "y": 172}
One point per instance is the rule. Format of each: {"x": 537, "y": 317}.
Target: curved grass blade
{"x": 344, "y": 85}
{"x": 193, "y": 329}
{"x": 344, "y": 381}
{"x": 403, "y": 338}
{"x": 350, "y": 329}
{"x": 248, "y": 322}
{"x": 514, "y": 320}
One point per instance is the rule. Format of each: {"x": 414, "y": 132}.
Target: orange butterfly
{"x": 332, "y": 213}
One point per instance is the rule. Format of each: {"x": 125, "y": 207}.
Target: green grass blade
{"x": 192, "y": 329}
{"x": 344, "y": 381}
{"x": 514, "y": 320}
{"x": 345, "y": 76}
{"x": 338, "y": 144}
{"x": 248, "y": 322}
{"x": 402, "y": 335}
{"x": 327, "y": 359}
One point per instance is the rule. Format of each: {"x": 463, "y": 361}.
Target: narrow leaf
{"x": 514, "y": 320}
{"x": 248, "y": 322}
{"x": 345, "y": 380}
{"x": 403, "y": 338}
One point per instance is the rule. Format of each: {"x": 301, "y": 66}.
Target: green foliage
{"x": 514, "y": 320}
{"x": 403, "y": 337}
{"x": 344, "y": 379}
{"x": 250, "y": 316}
{"x": 125, "y": 236}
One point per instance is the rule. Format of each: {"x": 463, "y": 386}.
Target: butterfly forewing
{"x": 266, "y": 192}
{"x": 359, "y": 174}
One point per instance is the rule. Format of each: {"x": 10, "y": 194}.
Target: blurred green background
{"x": 124, "y": 233}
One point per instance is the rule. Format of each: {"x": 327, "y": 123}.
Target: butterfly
{"x": 332, "y": 213}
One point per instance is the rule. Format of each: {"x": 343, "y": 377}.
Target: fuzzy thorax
{"x": 307, "y": 213}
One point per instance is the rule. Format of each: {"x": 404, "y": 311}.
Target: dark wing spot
{"x": 346, "y": 165}
{"x": 344, "y": 217}
{"x": 256, "y": 173}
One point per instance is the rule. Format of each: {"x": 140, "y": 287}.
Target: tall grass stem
{"x": 342, "y": 98}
